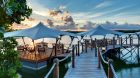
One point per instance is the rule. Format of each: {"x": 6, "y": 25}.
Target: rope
{"x": 103, "y": 58}
{"x": 65, "y": 57}
{"x": 113, "y": 71}
{"x": 111, "y": 66}
{"x": 50, "y": 71}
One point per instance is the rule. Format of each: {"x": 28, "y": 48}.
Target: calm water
{"x": 129, "y": 73}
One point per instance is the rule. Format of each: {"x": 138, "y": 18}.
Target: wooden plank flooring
{"x": 86, "y": 67}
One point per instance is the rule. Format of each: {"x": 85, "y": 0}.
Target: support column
{"x": 78, "y": 48}
{"x": 55, "y": 49}
{"x": 130, "y": 40}
{"x": 95, "y": 48}
{"x": 99, "y": 58}
{"x": 62, "y": 48}
{"x": 82, "y": 47}
{"x": 73, "y": 57}
{"x": 126, "y": 40}
{"x": 113, "y": 42}
{"x": 91, "y": 44}
{"x": 121, "y": 41}
{"x": 106, "y": 44}
{"x": 86, "y": 46}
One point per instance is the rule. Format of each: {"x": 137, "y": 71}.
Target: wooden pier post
{"x": 99, "y": 58}
{"x": 56, "y": 68}
{"x": 91, "y": 44}
{"x": 121, "y": 41}
{"x": 73, "y": 57}
{"x": 62, "y": 48}
{"x": 82, "y": 47}
{"x": 110, "y": 74}
{"x": 113, "y": 42}
{"x": 126, "y": 40}
{"x": 130, "y": 40}
{"x": 106, "y": 44}
{"x": 86, "y": 46}
{"x": 55, "y": 49}
{"x": 78, "y": 48}
{"x": 95, "y": 48}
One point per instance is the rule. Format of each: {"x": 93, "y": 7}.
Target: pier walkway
{"x": 86, "y": 66}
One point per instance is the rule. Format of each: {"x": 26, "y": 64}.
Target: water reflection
{"x": 129, "y": 73}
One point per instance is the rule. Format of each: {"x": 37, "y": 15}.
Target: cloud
{"x": 104, "y": 4}
{"x": 82, "y": 17}
{"x": 42, "y": 13}
{"x": 62, "y": 7}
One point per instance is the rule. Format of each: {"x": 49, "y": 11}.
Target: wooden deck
{"x": 86, "y": 67}
{"x": 41, "y": 56}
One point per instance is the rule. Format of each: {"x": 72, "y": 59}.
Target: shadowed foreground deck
{"x": 86, "y": 67}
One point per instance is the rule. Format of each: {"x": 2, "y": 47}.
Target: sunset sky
{"x": 96, "y": 11}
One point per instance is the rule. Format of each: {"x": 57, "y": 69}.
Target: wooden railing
{"x": 55, "y": 66}
{"x": 96, "y": 44}
{"x": 111, "y": 71}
